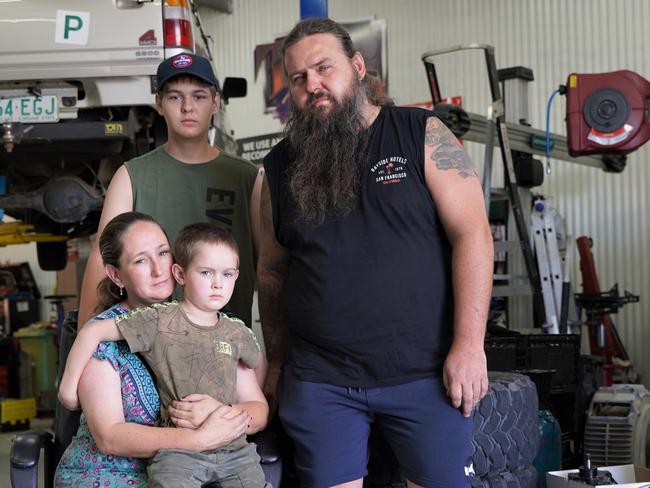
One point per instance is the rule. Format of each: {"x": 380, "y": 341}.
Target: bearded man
{"x": 374, "y": 275}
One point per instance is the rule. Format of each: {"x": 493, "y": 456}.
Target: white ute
{"x": 77, "y": 88}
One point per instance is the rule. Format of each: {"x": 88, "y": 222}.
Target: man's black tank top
{"x": 368, "y": 299}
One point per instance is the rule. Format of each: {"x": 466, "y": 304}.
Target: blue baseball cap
{"x": 186, "y": 64}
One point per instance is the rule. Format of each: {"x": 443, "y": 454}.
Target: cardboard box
{"x": 627, "y": 476}
{"x": 68, "y": 280}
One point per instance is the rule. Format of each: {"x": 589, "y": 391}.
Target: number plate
{"x": 29, "y": 109}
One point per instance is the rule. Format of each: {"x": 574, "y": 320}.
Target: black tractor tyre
{"x": 505, "y": 434}
{"x": 52, "y": 256}
{"x": 523, "y": 477}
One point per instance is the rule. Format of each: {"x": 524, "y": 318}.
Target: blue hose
{"x": 548, "y": 130}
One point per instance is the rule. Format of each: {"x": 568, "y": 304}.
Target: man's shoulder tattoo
{"x": 447, "y": 151}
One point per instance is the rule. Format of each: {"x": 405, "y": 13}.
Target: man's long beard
{"x": 329, "y": 152}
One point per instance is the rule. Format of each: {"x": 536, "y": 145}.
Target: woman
{"x": 119, "y": 399}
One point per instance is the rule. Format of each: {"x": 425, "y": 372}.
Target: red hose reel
{"x": 607, "y": 113}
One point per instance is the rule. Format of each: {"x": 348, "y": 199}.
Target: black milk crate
{"x": 501, "y": 353}
{"x": 559, "y": 352}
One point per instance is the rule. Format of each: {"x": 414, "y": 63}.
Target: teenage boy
{"x": 192, "y": 348}
{"x": 185, "y": 180}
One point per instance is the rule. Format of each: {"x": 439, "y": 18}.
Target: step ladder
{"x": 549, "y": 261}
{"x": 496, "y": 124}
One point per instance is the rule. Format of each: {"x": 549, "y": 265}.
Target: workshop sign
{"x": 255, "y": 148}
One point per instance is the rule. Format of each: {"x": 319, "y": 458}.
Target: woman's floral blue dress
{"x": 82, "y": 464}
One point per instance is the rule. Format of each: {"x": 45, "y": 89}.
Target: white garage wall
{"x": 553, "y": 38}
{"x": 235, "y": 37}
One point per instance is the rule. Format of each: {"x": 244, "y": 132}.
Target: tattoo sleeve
{"x": 271, "y": 270}
{"x": 447, "y": 152}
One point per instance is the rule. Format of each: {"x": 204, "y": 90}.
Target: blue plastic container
{"x": 549, "y": 456}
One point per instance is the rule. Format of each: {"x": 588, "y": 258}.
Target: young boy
{"x": 192, "y": 348}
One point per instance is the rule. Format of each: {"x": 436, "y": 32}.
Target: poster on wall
{"x": 255, "y": 148}
{"x": 368, "y": 36}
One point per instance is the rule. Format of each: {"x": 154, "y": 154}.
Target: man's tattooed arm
{"x": 271, "y": 270}
{"x": 447, "y": 152}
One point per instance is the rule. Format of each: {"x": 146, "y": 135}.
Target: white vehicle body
{"x": 77, "y": 89}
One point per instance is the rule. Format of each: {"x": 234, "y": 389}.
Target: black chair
{"x": 26, "y": 447}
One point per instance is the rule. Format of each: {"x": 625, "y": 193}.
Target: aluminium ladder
{"x": 496, "y": 124}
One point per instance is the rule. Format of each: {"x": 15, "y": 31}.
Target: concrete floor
{"x": 44, "y": 423}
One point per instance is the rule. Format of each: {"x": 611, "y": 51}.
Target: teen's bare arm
{"x": 459, "y": 201}
{"x": 80, "y": 353}
{"x": 101, "y": 398}
{"x": 118, "y": 199}
{"x": 271, "y": 271}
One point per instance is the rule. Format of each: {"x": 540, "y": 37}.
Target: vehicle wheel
{"x": 505, "y": 436}
{"x": 527, "y": 476}
{"x": 523, "y": 477}
{"x": 52, "y": 256}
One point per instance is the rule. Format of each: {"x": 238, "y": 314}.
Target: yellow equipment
{"x": 20, "y": 233}
{"x": 17, "y": 413}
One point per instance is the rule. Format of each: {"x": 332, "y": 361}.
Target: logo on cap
{"x": 182, "y": 61}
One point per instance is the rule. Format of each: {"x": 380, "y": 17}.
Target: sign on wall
{"x": 255, "y": 148}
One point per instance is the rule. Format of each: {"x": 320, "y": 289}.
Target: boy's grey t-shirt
{"x": 188, "y": 358}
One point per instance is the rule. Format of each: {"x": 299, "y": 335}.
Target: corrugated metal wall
{"x": 553, "y": 38}
{"x": 235, "y": 37}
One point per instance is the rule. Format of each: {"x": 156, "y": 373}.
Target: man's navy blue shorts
{"x": 331, "y": 424}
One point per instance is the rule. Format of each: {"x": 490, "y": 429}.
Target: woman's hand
{"x": 192, "y": 410}
{"x": 222, "y": 426}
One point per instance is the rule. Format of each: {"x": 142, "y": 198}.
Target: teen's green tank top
{"x": 219, "y": 191}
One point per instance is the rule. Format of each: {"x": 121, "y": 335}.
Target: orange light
{"x": 177, "y": 3}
